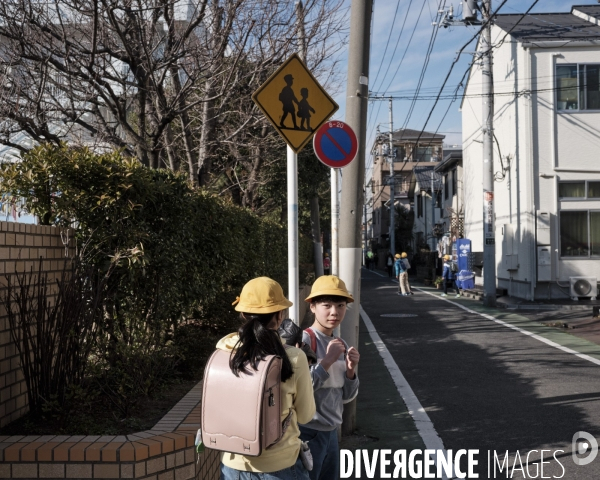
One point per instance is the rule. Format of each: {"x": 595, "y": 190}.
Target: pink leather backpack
{"x": 242, "y": 414}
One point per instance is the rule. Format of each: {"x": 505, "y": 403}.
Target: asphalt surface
{"x": 486, "y": 386}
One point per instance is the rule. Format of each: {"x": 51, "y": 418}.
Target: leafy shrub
{"x": 174, "y": 254}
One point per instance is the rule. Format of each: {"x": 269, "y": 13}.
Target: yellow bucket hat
{"x": 329, "y": 285}
{"x": 261, "y": 295}
{"x": 397, "y": 255}
{"x": 404, "y": 255}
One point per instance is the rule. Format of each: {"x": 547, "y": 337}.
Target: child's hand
{"x": 352, "y": 359}
{"x": 335, "y": 348}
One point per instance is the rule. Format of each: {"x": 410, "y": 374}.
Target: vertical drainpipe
{"x": 531, "y": 179}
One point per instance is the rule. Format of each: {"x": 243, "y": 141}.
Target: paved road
{"x": 486, "y": 386}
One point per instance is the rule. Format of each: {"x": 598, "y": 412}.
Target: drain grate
{"x": 396, "y": 315}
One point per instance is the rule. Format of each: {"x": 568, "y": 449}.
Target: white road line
{"x": 425, "y": 427}
{"x": 518, "y": 329}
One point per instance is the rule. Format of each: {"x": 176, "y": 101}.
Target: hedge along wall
{"x": 21, "y": 247}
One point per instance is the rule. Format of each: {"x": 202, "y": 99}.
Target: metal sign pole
{"x": 292, "y": 210}
{"x": 335, "y": 217}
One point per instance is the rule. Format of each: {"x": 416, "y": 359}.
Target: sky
{"x": 402, "y": 76}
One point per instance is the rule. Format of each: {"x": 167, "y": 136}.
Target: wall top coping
{"x": 175, "y": 431}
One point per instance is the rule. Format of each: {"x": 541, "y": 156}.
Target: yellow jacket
{"x": 297, "y": 394}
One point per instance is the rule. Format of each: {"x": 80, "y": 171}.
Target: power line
{"x": 423, "y": 70}
{"x": 387, "y": 43}
{"x": 407, "y": 47}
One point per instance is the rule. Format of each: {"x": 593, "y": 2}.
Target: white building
{"x": 547, "y": 124}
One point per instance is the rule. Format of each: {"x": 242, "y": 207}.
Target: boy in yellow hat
{"x": 333, "y": 376}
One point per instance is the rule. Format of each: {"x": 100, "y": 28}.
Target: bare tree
{"x": 156, "y": 78}
{"x": 238, "y": 148}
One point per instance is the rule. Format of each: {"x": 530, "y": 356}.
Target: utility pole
{"x": 489, "y": 221}
{"x": 392, "y": 184}
{"x": 489, "y": 216}
{"x": 364, "y": 250}
{"x": 357, "y": 91}
{"x": 432, "y": 211}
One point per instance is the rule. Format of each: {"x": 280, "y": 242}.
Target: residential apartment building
{"x": 410, "y": 149}
{"x": 546, "y": 72}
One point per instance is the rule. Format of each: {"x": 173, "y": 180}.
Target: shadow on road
{"x": 483, "y": 385}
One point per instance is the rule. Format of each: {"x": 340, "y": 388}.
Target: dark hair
{"x": 329, "y": 298}
{"x": 290, "y": 332}
{"x": 255, "y": 343}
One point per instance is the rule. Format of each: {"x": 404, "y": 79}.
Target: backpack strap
{"x": 313, "y": 339}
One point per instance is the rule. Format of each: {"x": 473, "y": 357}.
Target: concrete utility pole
{"x": 489, "y": 217}
{"x": 433, "y": 197}
{"x": 357, "y": 91}
{"x": 392, "y": 184}
{"x": 489, "y": 221}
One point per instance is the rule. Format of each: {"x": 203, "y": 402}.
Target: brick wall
{"x": 166, "y": 452}
{"x": 21, "y": 246}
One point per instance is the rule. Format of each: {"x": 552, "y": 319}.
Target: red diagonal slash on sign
{"x": 335, "y": 143}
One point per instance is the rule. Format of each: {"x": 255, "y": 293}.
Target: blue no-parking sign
{"x": 335, "y": 144}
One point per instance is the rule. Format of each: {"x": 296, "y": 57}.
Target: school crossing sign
{"x": 294, "y": 102}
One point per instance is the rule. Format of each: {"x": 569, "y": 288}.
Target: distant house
{"x": 425, "y": 193}
{"x": 451, "y": 198}
{"x": 546, "y": 73}
{"x": 408, "y": 153}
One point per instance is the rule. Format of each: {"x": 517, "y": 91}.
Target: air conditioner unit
{"x": 583, "y": 287}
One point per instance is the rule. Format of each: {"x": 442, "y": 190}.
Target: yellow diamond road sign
{"x": 294, "y": 102}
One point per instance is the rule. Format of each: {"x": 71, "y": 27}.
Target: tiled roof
{"x": 423, "y": 177}
{"x": 408, "y": 134}
{"x": 552, "y": 26}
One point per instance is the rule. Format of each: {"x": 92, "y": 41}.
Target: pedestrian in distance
{"x": 390, "y": 265}
{"x": 261, "y": 305}
{"x": 449, "y": 277}
{"x": 369, "y": 260}
{"x": 400, "y": 273}
{"x": 407, "y": 268}
{"x": 326, "y": 264}
{"x": 334, "y": 377}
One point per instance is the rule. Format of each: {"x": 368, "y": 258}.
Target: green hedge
{"x": 173, "y": 252}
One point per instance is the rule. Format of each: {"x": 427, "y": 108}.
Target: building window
{"x": 593, "y": 189}
{"x": 454, "y": 182}
{"x": 589, "y": 87}
{"x": 423, "y": 154}
{"x": 566, "y": 87}
{"x": 578, "y": 87}
{"x": 595, "y": 233}
{"x": 446, "y": 186}
{"x": 580, "y": 189}
{"x": 574, "y": 234}
{"x": 571, "y": 189}
{"x": 580, "y": 233}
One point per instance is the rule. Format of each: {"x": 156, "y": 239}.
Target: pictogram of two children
{"x": 287, "y": 97}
